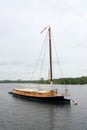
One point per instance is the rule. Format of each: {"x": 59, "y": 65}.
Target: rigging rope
{"x": 59, "y": 63}
{"x": 43, "y": 59}
{"x": 37, "y": 61}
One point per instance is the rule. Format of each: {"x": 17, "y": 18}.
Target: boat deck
{"x": 37, "y": 93}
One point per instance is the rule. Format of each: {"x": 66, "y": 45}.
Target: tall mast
{"x": 50, "y": 54}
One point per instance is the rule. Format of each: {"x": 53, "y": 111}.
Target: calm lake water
{"x": 19, "y": 114}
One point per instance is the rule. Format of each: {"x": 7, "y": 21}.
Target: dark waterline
{"x": 19, "y": 114}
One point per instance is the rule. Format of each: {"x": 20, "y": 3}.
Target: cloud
{"x": 20, "y": 40}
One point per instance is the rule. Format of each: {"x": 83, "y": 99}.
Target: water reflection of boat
{"x": 50, "y": 96}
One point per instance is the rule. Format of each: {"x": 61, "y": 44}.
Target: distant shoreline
{"x": 78, "y": 80}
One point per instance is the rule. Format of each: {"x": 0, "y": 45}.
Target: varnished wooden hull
{"x": 50, "y": 99}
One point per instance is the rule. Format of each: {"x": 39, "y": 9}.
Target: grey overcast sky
{"x": 21, "y": 22}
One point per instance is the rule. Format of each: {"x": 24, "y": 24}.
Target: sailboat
{"x": 48, "y": 96}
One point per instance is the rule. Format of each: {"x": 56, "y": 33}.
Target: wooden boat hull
{"x": 50, "y": 99}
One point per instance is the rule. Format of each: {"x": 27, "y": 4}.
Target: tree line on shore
{"x": 78, "y": 80}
